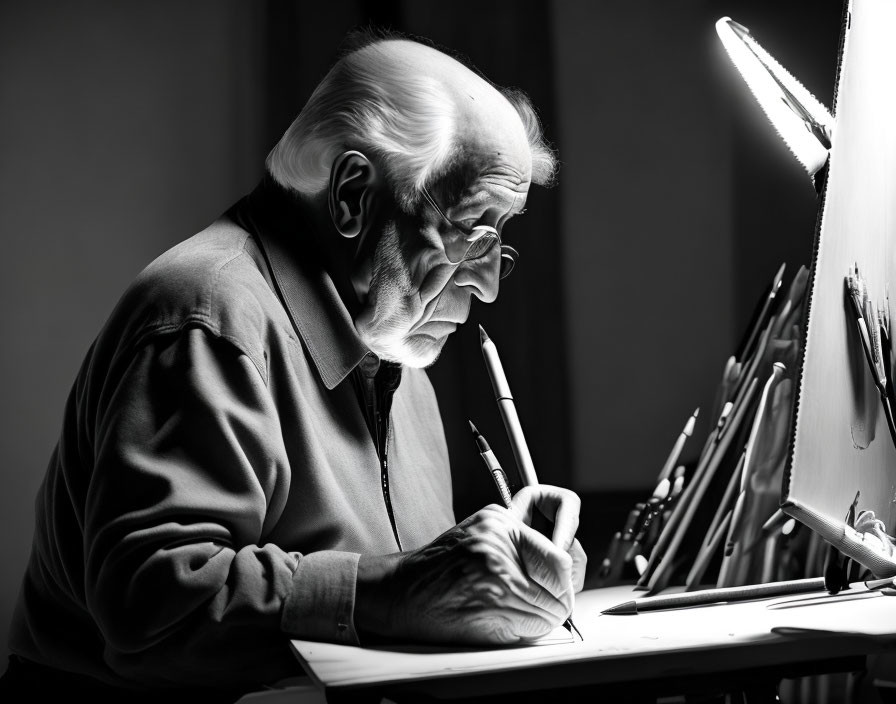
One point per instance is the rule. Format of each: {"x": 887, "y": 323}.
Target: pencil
{"x": 508, "y": 410}
{"x": 514, "y": 431}
{"x": 716, "y": 596}
{"x": 682, "y": 438}
{"x": 701, "y": 562}
{"x": 690, "y": 503}
{"x": 492, "y": 465}
{"x": 760, "y": 316}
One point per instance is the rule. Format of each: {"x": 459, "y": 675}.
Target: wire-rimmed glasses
{"x": 475, "y": 243}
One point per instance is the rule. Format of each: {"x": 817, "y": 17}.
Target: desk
{"x": 746, "y": 647}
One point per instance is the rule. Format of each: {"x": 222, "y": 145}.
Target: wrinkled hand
{"x": 561, "y": 507}
{"x": 490, "y": 579}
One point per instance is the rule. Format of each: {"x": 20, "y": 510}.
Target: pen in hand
{"x": 491, "y": 463}
{"x": 495, "y": 469}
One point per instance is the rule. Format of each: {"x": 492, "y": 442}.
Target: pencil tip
{"x": 473, "y": 428}
{"x": 482, "y": 334}
{"x": 627, "y": 608}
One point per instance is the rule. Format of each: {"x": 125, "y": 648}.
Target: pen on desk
{"x": 727, "y": 498}
{"x": 685, "y": 508}
{"x": 701, "y": 562}
{"x": 731, "y": 380}
{"x": 494, "y": 468}
{"x": 660, "y": 493}
{"x": 723, "y": 421}
{"x": 611, "y": 566}
{"x": 678, "y": 480}
{"x": 508, "y": 410}
{"x": 858, "y": 589}
{"x": 666, "y": 536}
{"x": 611, "y": 557}
{"x": 715, "y": 596}
{"x": 665, "y": 508}
{"x": 664, "y": 511}
{"x": 631, "y": 522}
{"x": 765, "y": 401}
{"x": 665, "y": 552}
{"x": 492, "y": 464}
{"x": 761, "y": 316}
{"x": 680, "y": 441}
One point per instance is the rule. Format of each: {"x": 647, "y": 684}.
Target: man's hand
{"x": 490, "y": 579}
{"x": 560, "y": 507}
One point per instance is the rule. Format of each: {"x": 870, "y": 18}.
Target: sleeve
{"x": 190, "y": 475}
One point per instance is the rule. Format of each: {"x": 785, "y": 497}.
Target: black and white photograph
{"x": 403, "y": 351}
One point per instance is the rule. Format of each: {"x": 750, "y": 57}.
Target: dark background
{"x": 126, "y": 127}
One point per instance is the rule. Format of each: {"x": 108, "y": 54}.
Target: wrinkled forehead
{"x": 486, "y": 179}
{"x": 492, "y": 173}
{"x": 491, "y": 133}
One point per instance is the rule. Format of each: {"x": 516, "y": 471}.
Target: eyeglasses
{"x": 466, "y": 245}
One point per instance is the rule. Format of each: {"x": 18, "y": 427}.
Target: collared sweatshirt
{"x": 216, "y": 477}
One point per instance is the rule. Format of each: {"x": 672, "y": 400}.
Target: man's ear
{"x": 351, "y": 196}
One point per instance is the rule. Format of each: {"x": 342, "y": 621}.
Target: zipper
{"x": 383, "y": 443}
{"x": 377, "y": 396}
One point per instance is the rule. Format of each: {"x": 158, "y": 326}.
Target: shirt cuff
{"x": 321, "y": 603}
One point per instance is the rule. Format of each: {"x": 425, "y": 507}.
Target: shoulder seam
{"x": 206, "y": 323}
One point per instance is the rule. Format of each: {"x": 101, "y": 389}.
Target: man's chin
{"x": 417, "y": 351}
{"x": 421, "y": 351}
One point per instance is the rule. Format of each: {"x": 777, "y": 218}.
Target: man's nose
{"x": 481, "y": 276}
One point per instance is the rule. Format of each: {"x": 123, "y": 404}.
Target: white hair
{"x": 544, "y": 158}
{"x": 366, "y": 102}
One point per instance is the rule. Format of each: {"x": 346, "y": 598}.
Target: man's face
{"x": 417, "y": 298}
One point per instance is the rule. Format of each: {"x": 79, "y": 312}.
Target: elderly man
{"x": 252, "y": 450}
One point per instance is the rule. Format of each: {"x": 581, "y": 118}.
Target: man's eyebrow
{"x": 472, "y": 200}
{"x": 483, "y": 197}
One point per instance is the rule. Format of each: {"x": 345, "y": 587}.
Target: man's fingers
{"x": 579, "y": 564}
{"x": 506, "y": 566}
{"x": 566, "y": 522}
{"x": 545, "y": 564}
{"x": 559, "y": 505}
{"x": 530, "y": 625}
{"x": 538, "y": 602}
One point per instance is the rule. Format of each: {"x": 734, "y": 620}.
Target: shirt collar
{"x": 285, "y": 233}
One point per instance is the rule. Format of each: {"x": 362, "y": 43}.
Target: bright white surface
{"x": 699, "y": 629}
{"x": 842, "y": 443}
{"x": 748, "y": 56}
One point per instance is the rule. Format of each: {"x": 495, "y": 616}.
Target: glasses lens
{"x": 479, "y": 243}
{"x": 476, "y": 244}
{"x": 508, "y": 260}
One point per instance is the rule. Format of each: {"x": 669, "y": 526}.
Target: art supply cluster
{"x": 716, "y": 521}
